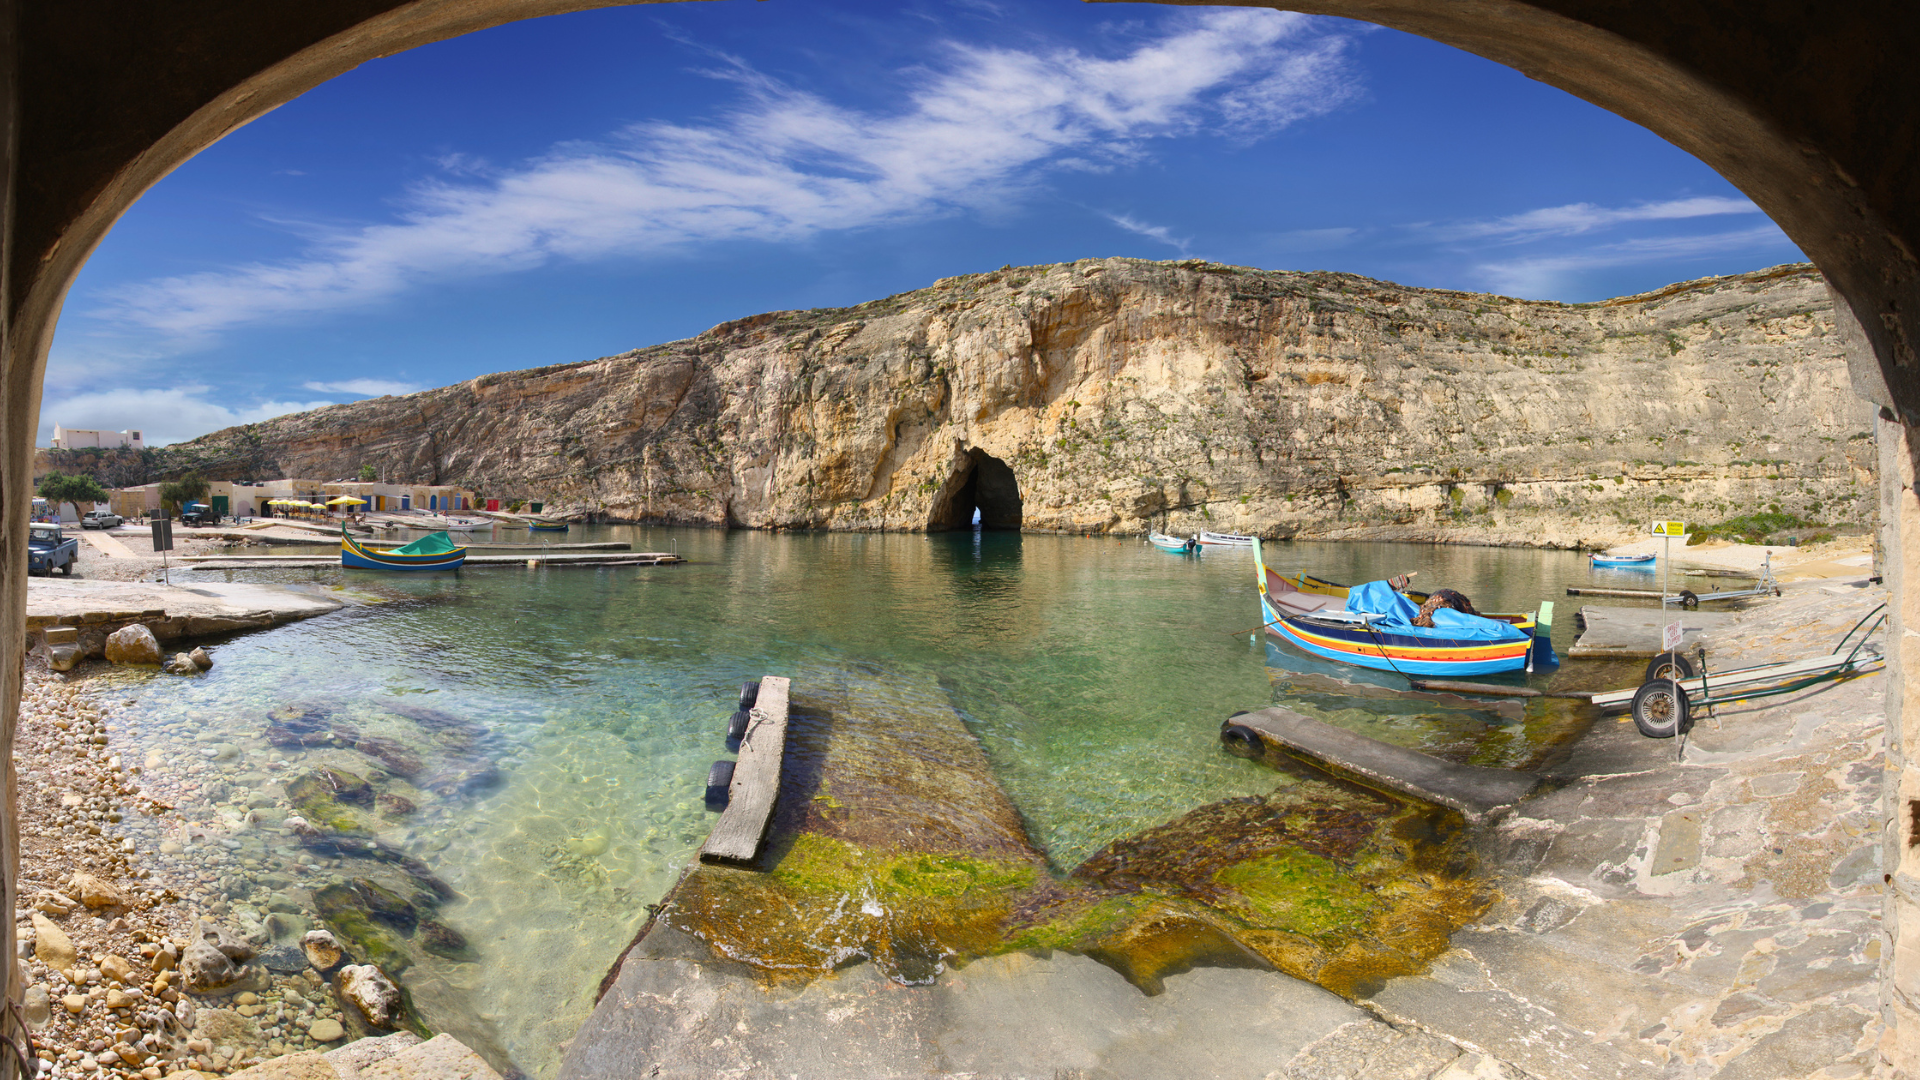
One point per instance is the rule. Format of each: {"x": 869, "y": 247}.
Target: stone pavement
{"x": 1719, "y": 917}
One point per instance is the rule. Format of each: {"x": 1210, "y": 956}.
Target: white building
{"x": 66, "y": 438}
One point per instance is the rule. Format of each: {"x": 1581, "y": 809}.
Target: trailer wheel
{"x": 1660, "y": 710}
{"x": 1689, "y": 599}
{"x": 1668, "y": 665}
{"x": 1241, "y": 741}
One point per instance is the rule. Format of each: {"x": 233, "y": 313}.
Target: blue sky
{"x": 581, "y": 185}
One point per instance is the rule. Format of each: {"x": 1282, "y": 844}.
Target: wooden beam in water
{"x": 736, "y": 837}
{"x": 1629, "y": 594}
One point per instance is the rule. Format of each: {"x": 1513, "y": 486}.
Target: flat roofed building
{"x": 66, "y": 438}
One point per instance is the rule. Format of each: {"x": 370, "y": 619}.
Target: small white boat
{"x": 1173, "y": 545}
{"x": 1213, "y": 539}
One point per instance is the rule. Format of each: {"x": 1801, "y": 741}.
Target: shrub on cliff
{"x": 1749, "y": 529}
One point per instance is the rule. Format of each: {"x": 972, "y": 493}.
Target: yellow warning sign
{"x": 1669, "y": 528}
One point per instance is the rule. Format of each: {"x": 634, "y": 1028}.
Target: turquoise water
{"x": 1096, "y": 673}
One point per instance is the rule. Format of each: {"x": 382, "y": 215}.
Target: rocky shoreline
{"x": 137, "y": 966}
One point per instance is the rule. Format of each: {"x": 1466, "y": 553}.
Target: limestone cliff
{"x": 1118, "y": 394}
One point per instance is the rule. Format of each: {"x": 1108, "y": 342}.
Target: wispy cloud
{"x": 1548, "y": 275}
{"x": 1154, "y": 232}
{"x": 979, "y": 128}
{"x": 1576, "y": 218}
{"x": 362, "y": 387}
{"x": 164, "y": 416}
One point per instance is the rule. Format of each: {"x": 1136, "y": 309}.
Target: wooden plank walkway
{"x": 1614, "y": 633}
{"x": 1471, "y": 789}
{"x": 742, "y": 826}
{"x": 558, "y": 558}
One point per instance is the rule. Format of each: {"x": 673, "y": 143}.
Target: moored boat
{"x": 436, "y": 551}
{"x": 1619, "y": 561}
{"x": 1372, "y": 626}
{"x": 1214, "y": 539}
{"x": 1173, "y": 544}
{"x": 546, "y": 526}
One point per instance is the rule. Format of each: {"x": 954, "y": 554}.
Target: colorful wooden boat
{"x": 546, "y": 526}
{"x": 1174, "y": 545}
{"x": 1214, "y": 539}
{"x": 1371, "y": 626}
{"x": 436, "y": 551}
{"x": 1630, "y": 562}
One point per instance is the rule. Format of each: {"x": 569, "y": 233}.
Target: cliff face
{"x": 1116, "y": 395}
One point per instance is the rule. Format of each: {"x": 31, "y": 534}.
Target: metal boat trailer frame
{"x": 1688, "y": 599}
{"x": 1663, "y": 705}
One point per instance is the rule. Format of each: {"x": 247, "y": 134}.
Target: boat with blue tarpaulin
{"x": 1374, "y": 626}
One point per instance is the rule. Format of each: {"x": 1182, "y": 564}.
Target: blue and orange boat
{"x": 1372, "y": 626}
{"x": 435, "y": 551}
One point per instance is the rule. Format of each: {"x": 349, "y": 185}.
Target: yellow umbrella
{"x": 346, "y": 500}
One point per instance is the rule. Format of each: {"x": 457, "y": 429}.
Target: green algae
{"x": 1300, "y": 892}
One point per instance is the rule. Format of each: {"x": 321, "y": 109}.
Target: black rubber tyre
{"x": 66, "y": 570}
{"x": 737, "y": 726}
{"x": 1660, "y": 710}
{"x": 749, "y": 693}
{"x": 1688, "y": 599}
{"x": 718, "y": 779}
{"x": 1241, "y": 741}
{"x": 1658, "y": 666}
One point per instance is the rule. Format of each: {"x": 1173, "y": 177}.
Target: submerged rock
{"x": 394, "y": 805}
{"x": 368, "y": 898}
{"x": 442, "y": 940}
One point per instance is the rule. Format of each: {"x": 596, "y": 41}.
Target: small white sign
{"x": 1669, "y": 528}
{"x": 1670, "y": 637}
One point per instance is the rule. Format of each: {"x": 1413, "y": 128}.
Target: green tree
{"x": 175, "y": 494}
{"x": 368, "y": 472}
{"x": 61, "y": 488}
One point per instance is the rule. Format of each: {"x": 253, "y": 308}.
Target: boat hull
{"x": 1210, "y": 539}
{"x": 1617, "y": 562}
{"x": 546, "y": 528}
{"x": 1171, "y": 545}
{"x": 355, "y": 557}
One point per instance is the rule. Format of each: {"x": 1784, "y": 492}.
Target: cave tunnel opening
{"x": 983, "y": 484}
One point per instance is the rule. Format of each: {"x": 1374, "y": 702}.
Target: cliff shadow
{"x": 979, "y": 482}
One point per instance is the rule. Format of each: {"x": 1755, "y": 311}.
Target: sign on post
{"x": 1670, "y": 637}
{"x": 1669, "y": 528}
{"x": 163, "y": 534}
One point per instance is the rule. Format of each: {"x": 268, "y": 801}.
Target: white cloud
{"x": 972, "y": 132}
{"x": 1549, "y": 275}
{"x": 1154, "y": 232}
{"x": 164, "y": 416}
{"x": 1576, "y": 218}
{"x": 362, "y": 387}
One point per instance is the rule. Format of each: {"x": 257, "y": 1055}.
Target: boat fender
{"x": 749, "y": 693}
{"x": 719, "y": 778}
{"x": 737, "y": 727}
{"x": 1241, "y": 740}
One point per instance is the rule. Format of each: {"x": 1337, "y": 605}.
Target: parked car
{"x": 100, "y": 519}
{"x": 49, "y": 549}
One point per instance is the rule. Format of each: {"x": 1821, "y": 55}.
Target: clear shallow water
{"x": 1095, "y": 672}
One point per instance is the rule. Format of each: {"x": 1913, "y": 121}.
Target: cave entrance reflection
{"x": 982, "y": 493}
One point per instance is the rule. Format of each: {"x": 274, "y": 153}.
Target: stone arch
{"x": 979, "y": 482}
{"x": 1809, "y": 109}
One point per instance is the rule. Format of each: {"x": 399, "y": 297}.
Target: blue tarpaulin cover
{"x": 1394, "y": 612}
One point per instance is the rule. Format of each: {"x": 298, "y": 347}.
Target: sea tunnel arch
{"x": 1807, "y": 109}
{"x": 980, "y": 487}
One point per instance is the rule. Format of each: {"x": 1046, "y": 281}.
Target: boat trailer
{"x": 1688, "y": 599}
{"x": 1663, "y": 706}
